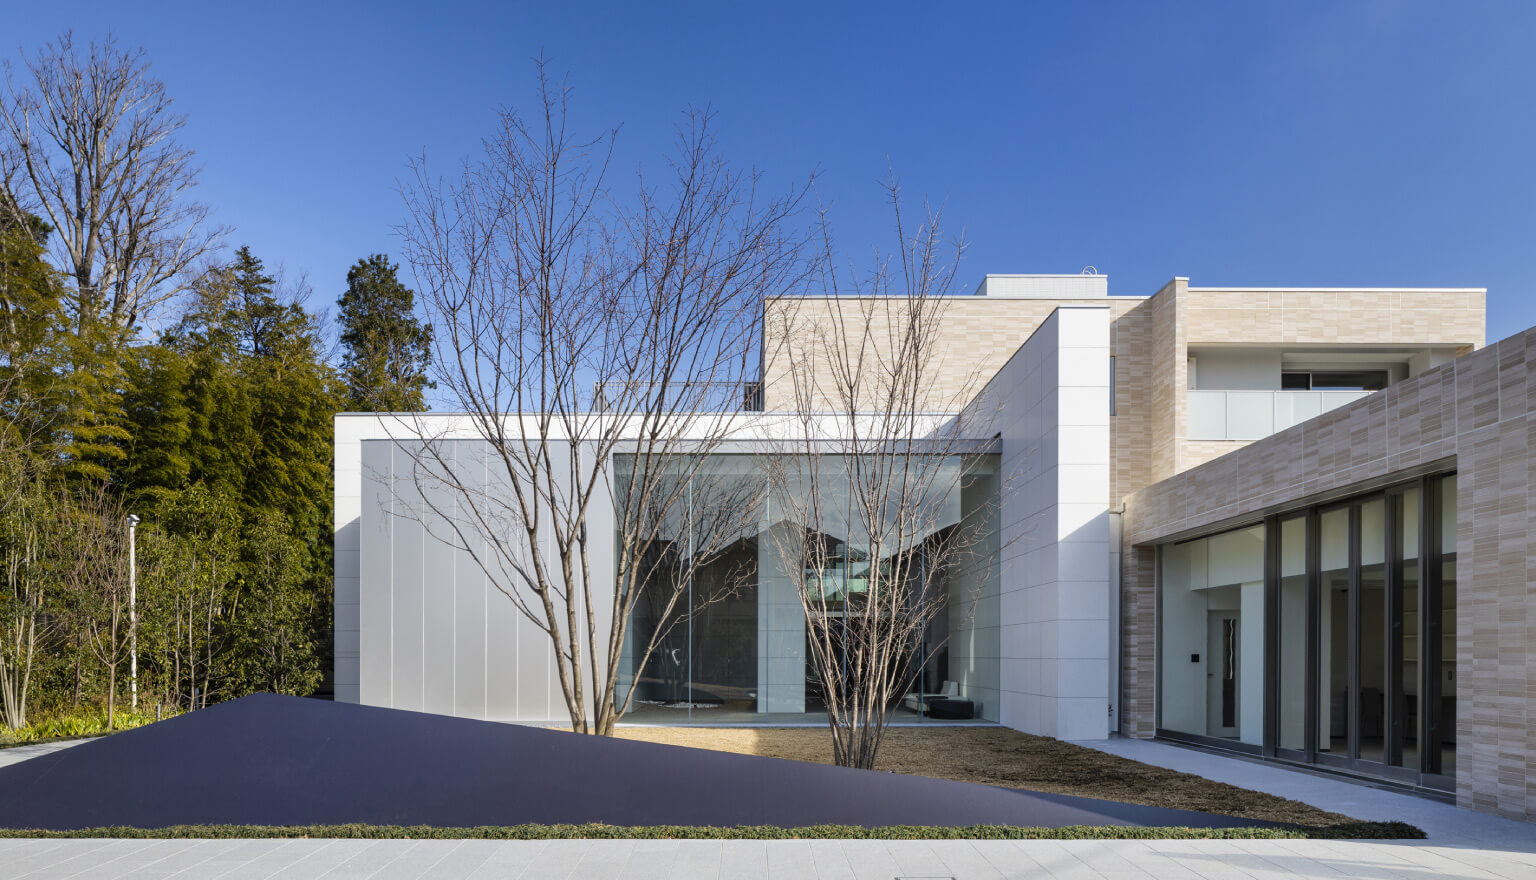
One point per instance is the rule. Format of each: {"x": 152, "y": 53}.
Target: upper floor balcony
{"x": 1249, "y": 392}
{"x": 1251, "y": 415}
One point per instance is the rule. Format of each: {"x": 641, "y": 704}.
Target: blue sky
{"x": 1297, "y": 143}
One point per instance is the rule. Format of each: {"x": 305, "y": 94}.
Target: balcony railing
{"x": 676, "y": 396}
{"x": 1249, "y": 415}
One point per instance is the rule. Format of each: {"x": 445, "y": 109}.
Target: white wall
{"x": 1182, "y": 687}
{"x": 1044, "y": 286}
{"x": 436, "y": 634}
{"x": 1236, "y": 369}
{"x": 1050, "y": 406}
{"x": 780, "y": 631}
{"x": 348, "y": 508}
{"x": 420, "y": 626}
{"x": 973, "y": 605}
{"x": 1222, "y": 573}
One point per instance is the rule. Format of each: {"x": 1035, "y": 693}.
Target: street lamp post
{"x": 133, "y": 613}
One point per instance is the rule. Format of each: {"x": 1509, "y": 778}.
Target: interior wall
{"x": 973, "y": 623}
{"x": 1223, "y": 573}
{"x": 1231, "y": 369}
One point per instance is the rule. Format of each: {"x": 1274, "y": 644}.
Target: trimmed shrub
{"x": 1355, "y": 831}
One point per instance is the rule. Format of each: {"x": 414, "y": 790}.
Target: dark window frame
{"x": 1427, "y": 772}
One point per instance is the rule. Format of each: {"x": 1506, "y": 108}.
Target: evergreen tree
{"x": 258, "y": 394}
{"x": 31, "y": 314}
{"x": 60, "y": 376}
{"x": 387, "y": 348}
{"x": 235, "y": 403}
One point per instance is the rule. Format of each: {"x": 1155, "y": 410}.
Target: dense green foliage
{"x": 1355, "y": 831}
{"x": 387, "y": 349}
{"x": 76, "y": 725}
{"x": 216, "y": 432}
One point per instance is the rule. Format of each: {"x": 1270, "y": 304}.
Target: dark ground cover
{"x": 283, "y": 761}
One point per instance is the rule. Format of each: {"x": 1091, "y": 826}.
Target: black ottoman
{"x": 950, "y": 708}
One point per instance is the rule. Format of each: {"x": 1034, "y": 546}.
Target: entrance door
{"x": 1222, "y": 674}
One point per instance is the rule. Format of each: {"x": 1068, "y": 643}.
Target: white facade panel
{"x": 1050, "y": 406}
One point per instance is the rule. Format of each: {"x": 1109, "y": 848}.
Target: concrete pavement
{"x": 742, "y": 859}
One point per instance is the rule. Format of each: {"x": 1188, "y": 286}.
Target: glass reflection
{"x": 1333, "y": 633}
{"x": 1293, "y": 634}
{"x": 1405, "y": 629}
{"x": 1372, "y": 656}
{"x": 719, "y": 576}
{"x": 1213, "y": 636}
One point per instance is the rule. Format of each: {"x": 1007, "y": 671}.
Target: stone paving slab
{"x": 16, "y": 754}
{"x": 768, "y": 860}
{"x": 1445, "y": 823}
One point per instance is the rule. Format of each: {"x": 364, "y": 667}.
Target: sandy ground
{"x": 998, "y": 756}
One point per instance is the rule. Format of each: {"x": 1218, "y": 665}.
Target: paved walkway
{"x": 17, "y": 754}
{"x": 1444, "y": 823}
{"x": 708, "y": 859}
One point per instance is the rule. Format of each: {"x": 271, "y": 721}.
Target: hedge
{"x": 1349, "y": 831}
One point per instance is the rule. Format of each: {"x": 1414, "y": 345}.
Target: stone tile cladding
{"x": 1473, "y": 414}
{"x": 1217, "y": 316}
{"x": 1365, "y": 317}
{"x": 977, "y": 336}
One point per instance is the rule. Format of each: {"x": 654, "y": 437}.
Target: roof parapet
{"x": 1084, "y": 286}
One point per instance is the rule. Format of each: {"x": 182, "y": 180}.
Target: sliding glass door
{"x": 1348, "y": 608}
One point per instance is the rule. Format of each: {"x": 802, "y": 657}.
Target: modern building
{"x": 1276, "y": 521}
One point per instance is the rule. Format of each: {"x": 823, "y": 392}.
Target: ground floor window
{"x": 1324, "y": 635}
{"x": 723, "y": 598}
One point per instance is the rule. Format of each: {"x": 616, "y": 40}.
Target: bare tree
{"x": 88, "y": 142}
{"x": 599, "y": 347}
{"x": 93, "y": 573}
{"x": 868, "y": 492}
{"x": 26, "y": 537}
{"x": 189, "y": 564}
{"x": 28, "y": 315}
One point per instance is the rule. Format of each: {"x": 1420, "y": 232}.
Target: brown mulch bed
{"x": 999, "y": 756}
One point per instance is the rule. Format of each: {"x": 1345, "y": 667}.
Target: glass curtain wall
{"x": 1213, "y": 637}
{"x": 1333, "y": 633}
{"x": 1294, "y": 600}
{"x": 721, "y": 577}
{"x": 1361, "y": 647}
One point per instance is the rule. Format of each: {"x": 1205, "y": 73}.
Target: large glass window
{"x": 1213, "y": 636}
{"x": 1404, "y": 654}
{"x": 1372, "y": 654}
{"x": 1362, "y": 646}
{"x": 1292, "y": 633}
{"x": 723, "y": 563}
{"x": 1333, "y": 629}
{"x": 1442, "y": 690}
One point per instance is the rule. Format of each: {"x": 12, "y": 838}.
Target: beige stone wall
{"x": 1332, "y": 317}
{"x": 1474, "y": 414}
{"x": 1198, "y": 452}
{"x": 1367, "y": 318}
{"x": 1169, "y": 363}
{"x": 1150, "y": 336}
{"x": 1130, "y": 448}
{"x": 976, "y": 335}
